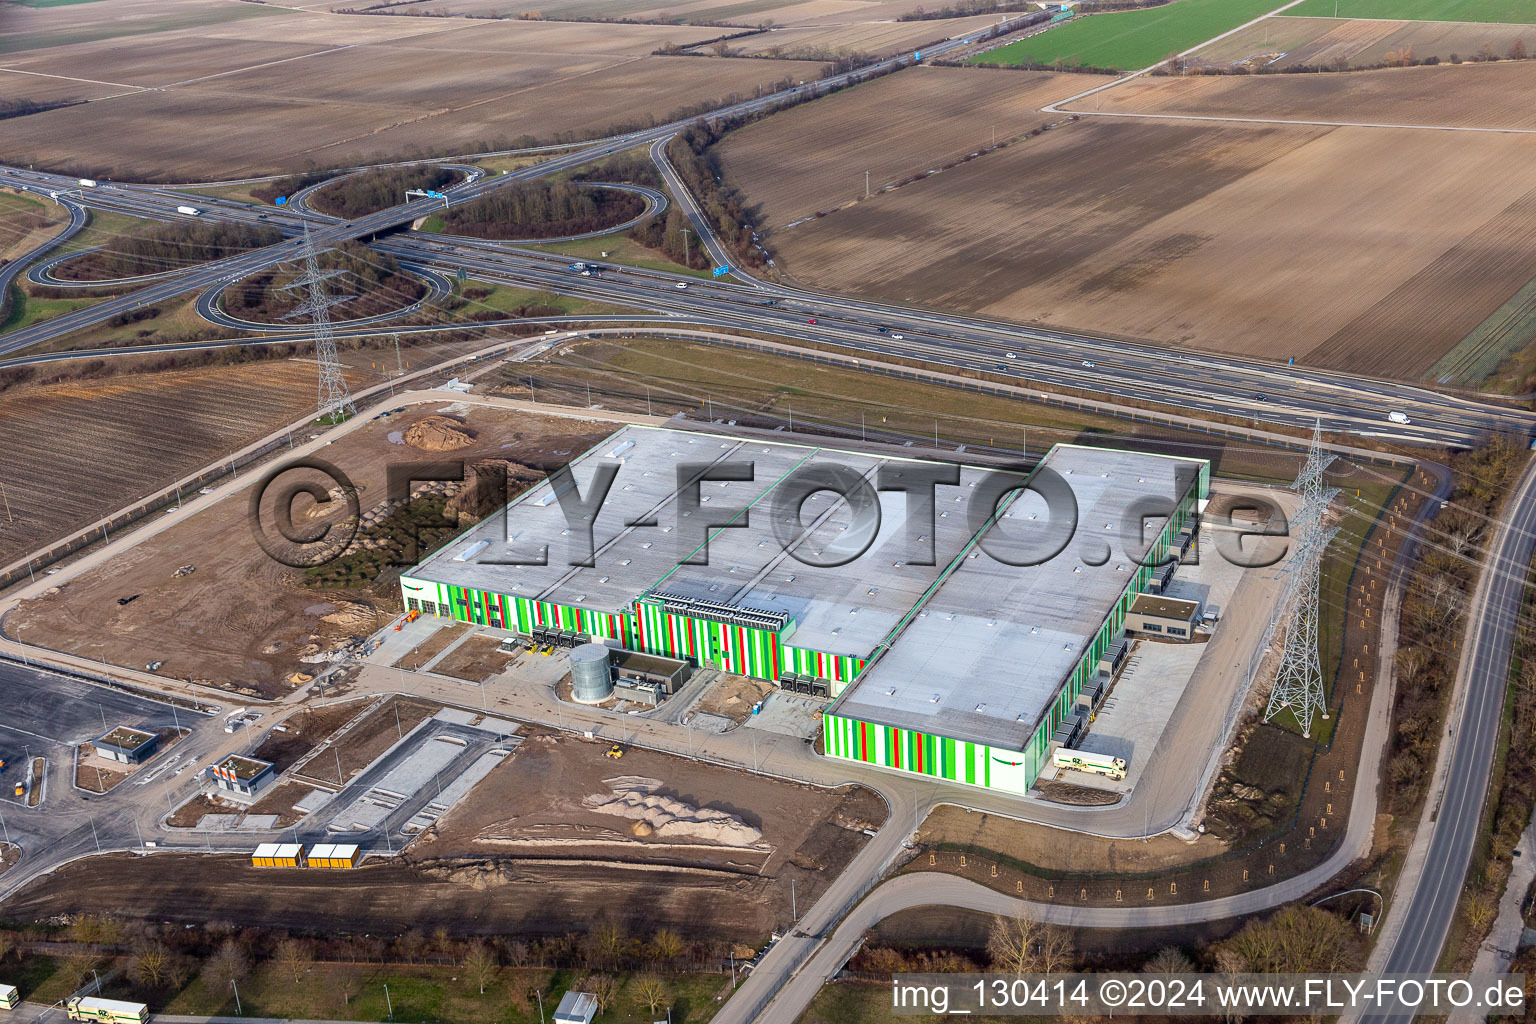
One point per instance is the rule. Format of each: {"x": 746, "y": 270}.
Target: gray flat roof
{"x": 991, "y": 648}
{"x": 846, "y": 609}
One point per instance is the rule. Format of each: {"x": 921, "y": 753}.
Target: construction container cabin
{"x": 244, "y": 776}
{"x": 126, "y": 744}
{"x": 334, "y": 856}
{"x": 695, "y": 554}
{"x": 278, "y": 855}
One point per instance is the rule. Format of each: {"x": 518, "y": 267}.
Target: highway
{"x": 331, "y": 232}
{"x": 1132, "y": 374}
{"x": 1242, "y": 389}
{"x": 1493, "y": 618}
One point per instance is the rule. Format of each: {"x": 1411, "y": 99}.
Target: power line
{"x": 1299, "y": 680}
{"x": 335, "y": 400}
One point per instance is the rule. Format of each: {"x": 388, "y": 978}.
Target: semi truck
{"x": 107, "y": 1011}
{"x": 87, "y": 182}
{"x": 189, "y": 211}
{"x": 1094, "y": 764}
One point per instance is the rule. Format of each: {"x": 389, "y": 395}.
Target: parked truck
{"x": 1085, "y": 761}
{"x": 189, "y": 211}
{"x": 9, "y": 997}
{"x": 88, "y": 182}
{"x": 108, "y": 1011}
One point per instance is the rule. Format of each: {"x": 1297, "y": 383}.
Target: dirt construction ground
{"x": 497, "y": 862}
{"x": 241, "y": 620}
{"x": 1188, "y": 233}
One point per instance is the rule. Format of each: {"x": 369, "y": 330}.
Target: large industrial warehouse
{"x": 942, "y": 660}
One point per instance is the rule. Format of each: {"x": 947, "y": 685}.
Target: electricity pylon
{"x": 1299, "y": 680}
{"x": 335, "y": 400}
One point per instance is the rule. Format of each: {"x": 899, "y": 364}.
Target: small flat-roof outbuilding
{"x": 126, "y": 744}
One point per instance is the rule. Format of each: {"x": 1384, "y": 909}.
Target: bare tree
{"x": 608, "y": 943}
{"x": 7, "y": 944}
{"x": 294, "y": 957}
{"x": 1229, "y": 964}
{"x": 1055, "y": 951}
{"x": 1011, "y": 942}
{"x": 602, "y": 987}
{"x": 78, "y": 964}
{"x": 480, "y": 966}
{"x": 228, "y": 963}
{"x": 651, "y": 991}
{"x": 516, "y": 952}
{"x": 345, "y": 983}
{"x": 1169, "y": 960}
{"x": 666, "y": 945}
{"x": 1517, "y": 50}
{"x": 86, "y": 929}
{"x": 411, "y": 945}
{"x": 150, "y": 964}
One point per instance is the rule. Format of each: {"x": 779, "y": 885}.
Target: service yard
{"x": 241, "y": 620}
{"x": 1186, "y": 233}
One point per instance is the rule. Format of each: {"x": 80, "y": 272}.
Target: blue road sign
{"x": 722, "y": 271}
{"x": 281, "y": 200}
{"x": 434, "y": 195}
{"x": 917, "y": 55}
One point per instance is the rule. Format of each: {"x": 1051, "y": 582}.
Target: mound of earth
{"x": 438, "y": 434}
{"x": 669, "y": 818}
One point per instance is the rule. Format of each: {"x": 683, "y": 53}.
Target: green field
{"x": 1131, "y": 40}
{"x": 1515, "y": 12}
{"x": 27, "y": 310}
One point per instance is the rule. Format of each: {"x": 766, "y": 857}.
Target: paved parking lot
{"x": 45, "y": 714}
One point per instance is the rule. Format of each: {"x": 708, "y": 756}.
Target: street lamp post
{"x": 238, "y": 1011}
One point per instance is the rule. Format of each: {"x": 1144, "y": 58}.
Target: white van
{"x": 1400, "y": 418}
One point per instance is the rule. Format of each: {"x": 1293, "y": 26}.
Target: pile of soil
{"x": 438, "y": 434}
{"x": 667, "y": 817}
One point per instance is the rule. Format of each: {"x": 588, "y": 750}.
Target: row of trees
{"x": 1434, "y": 614}
{"x": 1296, "y": 939}
{"x": 156, "y": 247}
{"x": 542, "y": 209}
{"x": 361, "y": 194}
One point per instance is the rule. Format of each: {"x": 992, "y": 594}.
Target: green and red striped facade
{"x": 650, "y": 628}
{"x": 976, "y": 764}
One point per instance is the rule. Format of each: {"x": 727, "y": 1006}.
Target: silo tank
{"x": 591, "y": 674}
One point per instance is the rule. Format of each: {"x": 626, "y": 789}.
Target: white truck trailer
{"x": 10, "y": 998}
{"x": 107, "y": 1011}
{"x": 1094, "y": 764}
{"x": 188, "y": 211}
{"x": 88, "y": 182}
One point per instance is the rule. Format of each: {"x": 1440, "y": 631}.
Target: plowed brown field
{"x": 883, "y": 38}
{"x": 1464, "y": 95}
{"x": 813, "y": 157}
{"x": 1322, "y": 41}
{"x": 278, "y": 92}
{"x": 1373, "y": 250}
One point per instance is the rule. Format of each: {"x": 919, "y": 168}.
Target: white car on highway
{"x": 681, "y": 285}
